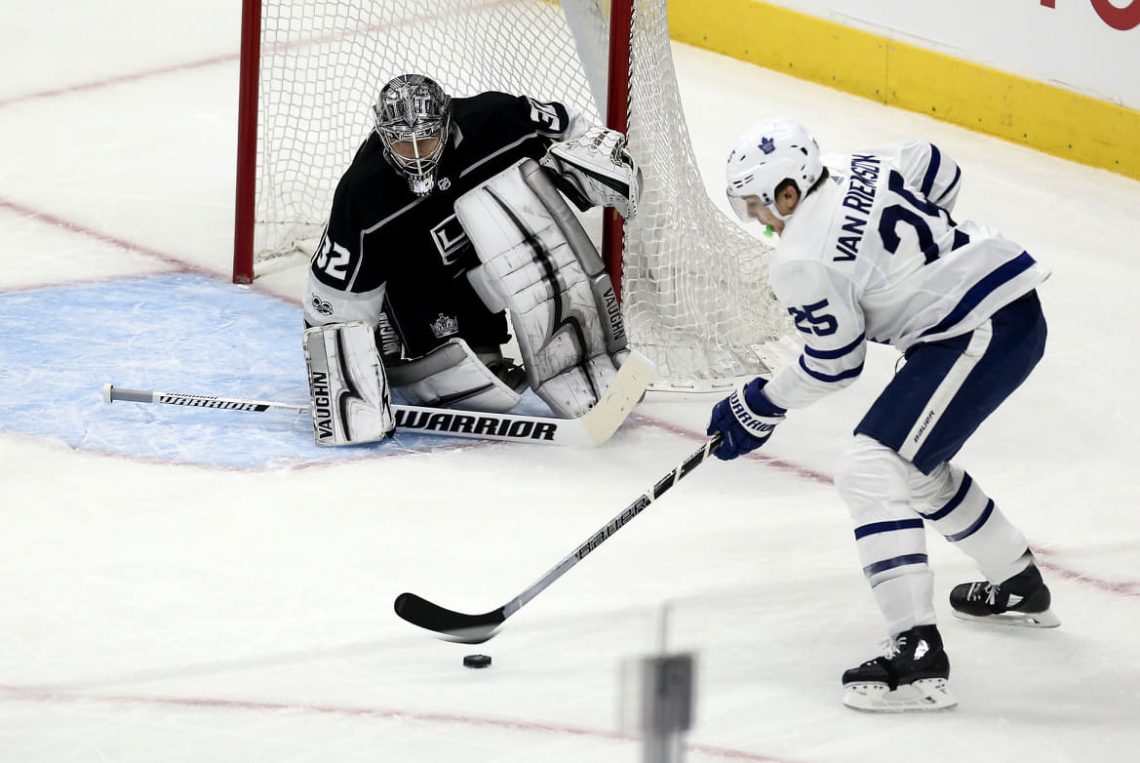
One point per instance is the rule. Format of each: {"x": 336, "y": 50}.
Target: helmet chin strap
{"x": 776, "y": 212}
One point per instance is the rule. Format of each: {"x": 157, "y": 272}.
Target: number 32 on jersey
{"x": 332, "y": 259}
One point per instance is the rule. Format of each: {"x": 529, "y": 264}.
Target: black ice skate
{"x": 1022, "y": 600}
{"x": 913, "y": 675}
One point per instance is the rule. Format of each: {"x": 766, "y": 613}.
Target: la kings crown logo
{"x": 445, "y": 325}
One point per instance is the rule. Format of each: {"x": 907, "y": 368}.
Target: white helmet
{"x": 767, "y": 155}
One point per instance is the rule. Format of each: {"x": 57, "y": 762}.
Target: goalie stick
{"x": 593, "y": 428}
{"x": 475, "y": 629}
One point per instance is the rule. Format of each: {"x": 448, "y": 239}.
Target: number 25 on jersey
{"x": 810, "y": 320}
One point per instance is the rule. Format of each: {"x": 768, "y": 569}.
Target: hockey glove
{"x": 596, "y": 169}
{"x": 745, "y": 419}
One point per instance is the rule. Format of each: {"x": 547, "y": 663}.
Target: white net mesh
{"x": 693, "y": 284}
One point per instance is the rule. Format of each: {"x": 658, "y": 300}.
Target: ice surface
{"x": 192, "y": 585}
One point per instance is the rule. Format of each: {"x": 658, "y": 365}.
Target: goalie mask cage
{"x": 693, "y": 284}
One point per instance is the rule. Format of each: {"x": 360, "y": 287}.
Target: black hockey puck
{"x": 476, "y": 661}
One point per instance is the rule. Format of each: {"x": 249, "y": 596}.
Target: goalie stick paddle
{"x": 594, "y": 427}
{"x": 475, "y": 629}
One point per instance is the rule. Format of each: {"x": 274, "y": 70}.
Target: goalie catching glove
{"x": 349, "y": 391}
{"x": 745, "y": 420}
{"x": 595, "y": 169}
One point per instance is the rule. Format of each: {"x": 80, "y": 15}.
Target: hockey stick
{"x": 593, "y": 428}
{"x": 475, "y": 629}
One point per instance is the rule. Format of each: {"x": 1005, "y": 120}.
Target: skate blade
{"x": 923, "y": 695}
{"x": 1044, "y": 619}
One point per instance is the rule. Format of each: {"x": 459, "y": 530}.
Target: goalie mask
{"x": 413, "y": 119}
{"x": 767, "y": 155}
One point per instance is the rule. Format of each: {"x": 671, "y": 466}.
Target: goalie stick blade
{"x": 619, "y": 399}
{"x": 454, "y": 626}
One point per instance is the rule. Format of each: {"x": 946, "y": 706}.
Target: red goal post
{"x": 692, "y": 283}
{"x": 246, "y": 176}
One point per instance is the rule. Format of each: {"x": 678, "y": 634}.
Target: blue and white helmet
{"x": 767, "y": 155}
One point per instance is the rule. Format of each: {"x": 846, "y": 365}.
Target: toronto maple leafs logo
{"x": 767, "y": 145}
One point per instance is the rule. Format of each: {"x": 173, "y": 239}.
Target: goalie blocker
{"x": 539, "y": 263}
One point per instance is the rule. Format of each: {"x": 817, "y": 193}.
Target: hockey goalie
{"x": 452, "y": 215}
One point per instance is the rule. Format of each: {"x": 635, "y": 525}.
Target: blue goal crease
{"x": 173, "y": 333}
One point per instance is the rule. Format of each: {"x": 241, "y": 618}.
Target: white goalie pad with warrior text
{"x": 349, "y": 391}
{"x": 595, "y": 169}
{"x": 539, "y": 263}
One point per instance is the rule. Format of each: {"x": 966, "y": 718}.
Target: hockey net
{"x": 693, "y": 284}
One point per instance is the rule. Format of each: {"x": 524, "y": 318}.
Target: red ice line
{"x": 222, "y": 59}
{"x": 106, "y": 238}
{"x": 1123, "y": 588}
{"x": 1126, "y": 588}
{"x": 29, "y": 694}
{"x": 1120, "y": 588}
{"x": 117, "y": 80}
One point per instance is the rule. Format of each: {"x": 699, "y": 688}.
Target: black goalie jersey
{"x": 399, "y": 261}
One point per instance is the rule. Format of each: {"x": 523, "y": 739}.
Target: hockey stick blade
{"x": 475, "y": 629}
{"x": 453, "y": 626}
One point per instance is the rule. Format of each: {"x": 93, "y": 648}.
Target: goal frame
{"x": 245, "y": 185}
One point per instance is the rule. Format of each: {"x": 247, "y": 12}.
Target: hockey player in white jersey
{"x": 871, "y": 253}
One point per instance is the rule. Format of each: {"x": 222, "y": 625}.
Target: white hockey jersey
{"x": 874, "y": 255}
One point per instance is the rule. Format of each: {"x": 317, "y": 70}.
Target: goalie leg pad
{"x": 531, "y": 267}
{"x": 605, "y": 299}
{"x": 347, "y": 385}
{"x": 574, "y": 391}
{"x": 453, "y": 376}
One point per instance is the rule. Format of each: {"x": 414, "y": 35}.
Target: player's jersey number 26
{"x": 923, "y": 216}
{"x": 909, "y": 210}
